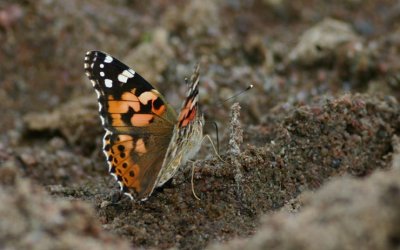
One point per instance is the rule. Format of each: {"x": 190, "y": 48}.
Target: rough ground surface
{"x": 324, "y": 106}
{"x": 367, "y": 210}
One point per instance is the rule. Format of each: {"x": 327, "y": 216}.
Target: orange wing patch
{"x": 118, "y": 108}
{"x": 129, "y": 96}
{"x": 117, "y": 120}
{"x": 187, "y": 115}
{"x": 142, "y": 120}
{"x": 158, "y": 110}
{"x": 140, "y": 148}
{"x": 119, "y": 151}
{"x": 122, "y": 106}
{"x": 129, "y": 178}
{"x": 145, "y": 97}
{"x": 122, "y": 164}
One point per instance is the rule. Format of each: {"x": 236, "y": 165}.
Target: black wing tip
{"x": 91, "y": 54}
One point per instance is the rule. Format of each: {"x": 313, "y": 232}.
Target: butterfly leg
{"x": 213, "y": 146}
{"x": 192, "y": 181}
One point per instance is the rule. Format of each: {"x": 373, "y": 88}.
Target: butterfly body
{"x": 145, "y": 141}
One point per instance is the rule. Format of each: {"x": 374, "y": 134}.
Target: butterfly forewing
{"x": 137, "y": 120}
{"x": 126, "y": 100}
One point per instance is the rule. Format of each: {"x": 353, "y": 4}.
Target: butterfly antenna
{"x": 215, "y": 124}
{"x": 238, "y": 94}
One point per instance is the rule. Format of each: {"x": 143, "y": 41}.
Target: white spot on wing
{"x": 129, "y": 73}
{"x": 132, "y": 72}
{"x": 100, "y": 106}
{"x": 101, "y": 65}
{"x": 97, "y": 93}
{"x": 102, "y": 74}
{"x": 108, "y": 132}
{"x": 115, "y": 176}
{"x": 122, "y": 78}
{"x": 129, "y": 195}
{"x": 108, "y": 59}
{"x": 102, "y": 119}
{"x": 108, "y": 83}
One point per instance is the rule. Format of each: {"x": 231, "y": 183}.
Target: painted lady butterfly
{"x": 145, "y": 141}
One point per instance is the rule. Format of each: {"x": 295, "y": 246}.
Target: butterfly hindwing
{"x": 135, "y": 161}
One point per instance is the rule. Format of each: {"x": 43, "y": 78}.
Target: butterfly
{"x": 145, "y": 140}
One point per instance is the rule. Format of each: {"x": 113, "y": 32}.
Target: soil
{"x": 306, "y": 156}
